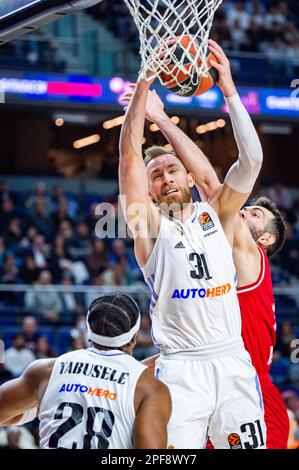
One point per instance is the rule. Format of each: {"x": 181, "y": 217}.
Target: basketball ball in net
{"x": 186, "y": 86}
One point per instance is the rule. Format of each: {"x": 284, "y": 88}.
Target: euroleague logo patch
{"x": 205, "y": 221}
{"x": 234, "y": 441}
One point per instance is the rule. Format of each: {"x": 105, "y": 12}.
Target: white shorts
{"x": 215, "y": 397}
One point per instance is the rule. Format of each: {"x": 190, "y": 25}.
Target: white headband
{"x": 112, "y": 341}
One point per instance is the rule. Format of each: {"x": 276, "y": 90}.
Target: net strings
{"x": 162, "y": 21}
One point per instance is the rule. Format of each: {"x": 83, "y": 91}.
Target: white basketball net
{"x": 159, "y": 21}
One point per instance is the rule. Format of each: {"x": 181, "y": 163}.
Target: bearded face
{"x": 169, "y": 183}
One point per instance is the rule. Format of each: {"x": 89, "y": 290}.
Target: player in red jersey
{"x": 260, "y": 234}
{"x": 255, "y": 294}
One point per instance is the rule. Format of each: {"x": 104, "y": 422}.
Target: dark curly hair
{"x": 113, "y": 315}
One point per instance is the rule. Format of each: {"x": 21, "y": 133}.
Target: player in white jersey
{"x": 186, "y": 259}
{"x": 98, "y": 398}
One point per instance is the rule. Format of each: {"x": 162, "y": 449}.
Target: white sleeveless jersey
{"x": 89, "y": 401}
{"x": 192, "y": 279}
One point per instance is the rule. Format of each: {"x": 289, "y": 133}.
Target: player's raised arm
{"x": 153, "y": 413}
{"x": 188, "y": 152}
{"x": 242, "y": 176}
{"x": 141, "y": 215}
{"x": 19, "y": 398}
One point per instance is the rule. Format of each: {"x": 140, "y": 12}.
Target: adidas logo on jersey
{"x": 179, "y": 245}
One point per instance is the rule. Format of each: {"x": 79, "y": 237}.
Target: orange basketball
{"x": 186, "y": 81}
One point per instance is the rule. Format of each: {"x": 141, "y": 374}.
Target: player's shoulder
{"x": 39, "y": 370}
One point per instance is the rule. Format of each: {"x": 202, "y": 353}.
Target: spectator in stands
{"x": 18, "y": 357}
{"x": 42, "y": 218}
{"x": 294, "y": 375}
{"x": 280, "y": 369}
{"x": 293, "y": 56}
{"x": 289, "y": 255}
{"x": 239, "y": 35}
{"x": 13, "y": 233}
{"x": 257, "y": 12}
{"x": 285, "y": 336}
{"x": 79, "y": 246}
{"x": 61, "y": 213}
{"x": 58, "y": 257}
{"x": 296, "y": 215}
{"x": 79, "y": 331}
{"x": 29, "y": 272}
{"x": 92, "y": 218}
{"x": 120, "y": 249}
{"x": 65, "y": 229}
{"x": 72, "y": 302}
{"x": 5, "y": 374}
{"x": 30, "y": 332}
{"x": 281, "y": 196}
{"x": 39, "y": 193}
{"x": 17, "y": 437}
{"x": 291, "y": 400}
{"x": 8, "y": 212}
{"x": 13, "y": 434}
{"x": 43, "y": 349}
{"x": 58, "y": 195}
{"x": 40, "y": 251}
{"x": 2, "y": 251}
{"x": 9, "y": 272}
{"x": 144, "y": 347}
{"x": 77, "y": 343}
{"x": 48, "y": 304}
{"x": 5, "y": 193}
{"x": 97, "y": 261}
{"x": 119, "y": 274}
{"x": 91, "y": 296}
{"x": 28, "y": 239}
{"x": 237, "y": 11}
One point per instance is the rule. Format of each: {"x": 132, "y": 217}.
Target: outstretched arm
{"x": 141, "y": 215}
{"x": 242, "y": 176}
{"x": 19, "y": 398}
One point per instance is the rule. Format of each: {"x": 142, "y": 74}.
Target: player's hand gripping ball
{"x": 187, "y": 82}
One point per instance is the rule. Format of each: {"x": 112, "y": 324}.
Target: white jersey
{"x": 89, "y": 401}
{"x": 192, "y": 279}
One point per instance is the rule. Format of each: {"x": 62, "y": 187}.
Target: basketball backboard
{"x": 19, "y": 17}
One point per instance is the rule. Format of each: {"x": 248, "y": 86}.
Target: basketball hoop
{"x": 161, "y": 25}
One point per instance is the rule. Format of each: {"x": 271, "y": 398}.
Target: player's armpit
{"x": 152, "y": 415}
{"x": 230, "y": 201}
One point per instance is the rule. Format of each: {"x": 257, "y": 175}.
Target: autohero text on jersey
{"x": 94, "y": 370}
{"x": 201, "y": 293}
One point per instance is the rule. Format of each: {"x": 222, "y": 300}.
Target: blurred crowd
{"x": 35, "y": 51}
{"x": 47, "y": 236}
{"x": 270, "y": 27}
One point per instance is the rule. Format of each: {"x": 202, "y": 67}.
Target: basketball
{"x": 189, "y": 85}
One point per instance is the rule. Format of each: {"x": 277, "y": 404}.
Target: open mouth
{"x": 170, "y": 191}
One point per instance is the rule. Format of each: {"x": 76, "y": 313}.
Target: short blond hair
{"x": 155, "y": 151}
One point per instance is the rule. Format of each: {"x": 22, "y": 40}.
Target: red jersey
{"x": 259, "y": 335}
{"x": 258, "y": 317}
